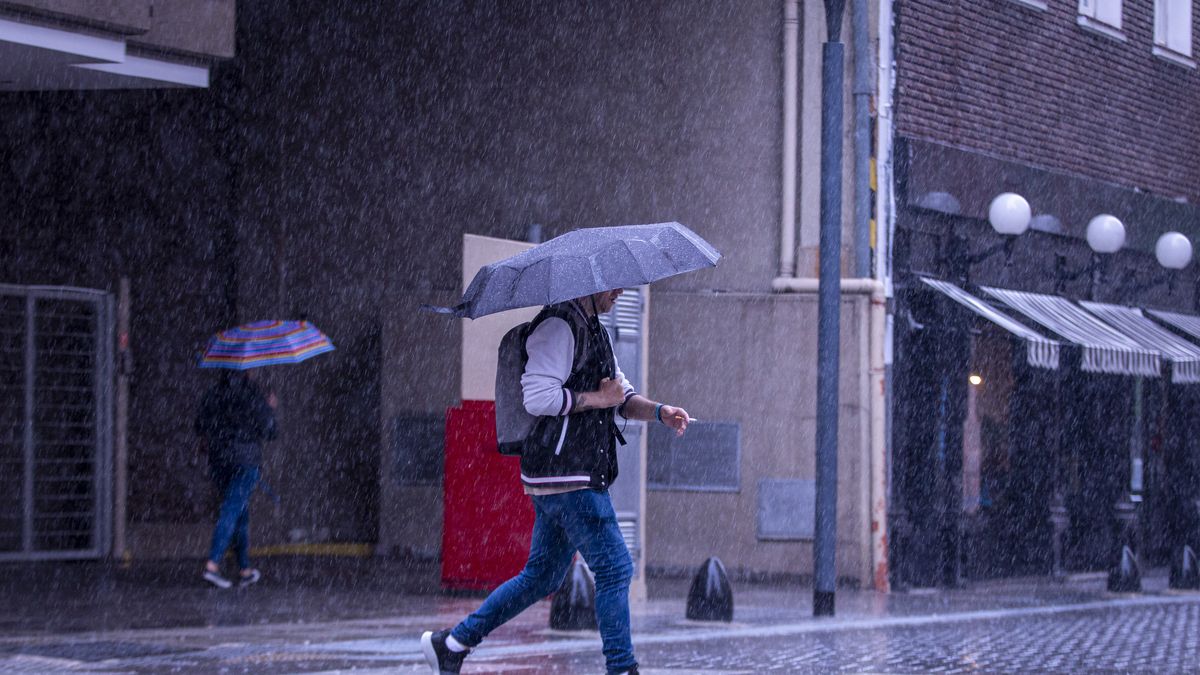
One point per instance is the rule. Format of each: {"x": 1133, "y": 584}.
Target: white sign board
{"x": 481, "y": 337}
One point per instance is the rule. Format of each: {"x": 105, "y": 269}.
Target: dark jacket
{"x": 236, "y": 420}
{"x": 577, "y": 449}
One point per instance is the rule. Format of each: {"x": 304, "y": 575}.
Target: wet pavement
{"x": 366, "y": 614}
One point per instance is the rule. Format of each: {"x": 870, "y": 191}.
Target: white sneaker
{"x": 216, "y": 579}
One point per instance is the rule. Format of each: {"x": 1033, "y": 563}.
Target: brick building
{"x": 1007, "y": 461}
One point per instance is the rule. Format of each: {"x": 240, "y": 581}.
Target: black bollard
{"x": 1125, "y": 577}
{"x": 574, "y": 603}
{"x": 1184, "y": 572}
{"x": 711, "y": 596}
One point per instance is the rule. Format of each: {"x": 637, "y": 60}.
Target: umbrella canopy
{"x": 264, "y": 343}
{"x": 583, "y": 262}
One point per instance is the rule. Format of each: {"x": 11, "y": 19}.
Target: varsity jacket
{"x": 569, "y": 352}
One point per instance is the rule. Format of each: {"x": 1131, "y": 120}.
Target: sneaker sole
{"x": 219, "y": 583}
{"x": 427, "y": 650}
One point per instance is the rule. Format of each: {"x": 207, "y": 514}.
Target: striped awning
{"x": 1040, "y": 351}
{"x": 1185, "y": 322}
{"x": 1183, "y": 355}
{"x": 1105, "y": 349}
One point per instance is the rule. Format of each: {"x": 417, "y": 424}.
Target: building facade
{"x": 1015, "y": 449}
{"x": 330, "y": 171}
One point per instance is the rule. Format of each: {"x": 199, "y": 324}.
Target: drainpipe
{"x": 885, "y": 218}
{"x": 787, "y": 223}
{"x": 885, "y": 201}
{"x": 862, "y": 138}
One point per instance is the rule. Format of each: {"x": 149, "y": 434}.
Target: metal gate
{"x": 55, "y": 422}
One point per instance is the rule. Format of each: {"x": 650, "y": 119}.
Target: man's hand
{"x": 609, "y": 395}
{"x": 272, "y": 400}
{"x": 676, "y": 418}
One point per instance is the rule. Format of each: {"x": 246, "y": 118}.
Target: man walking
{"x": 573, "y": 384}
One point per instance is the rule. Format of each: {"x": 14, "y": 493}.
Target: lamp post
{"x": 1009, "y": 215}
{"x": 828, "y": 314}
{"x": 1173, "y": 252}
{"x": 1105, "y": 235}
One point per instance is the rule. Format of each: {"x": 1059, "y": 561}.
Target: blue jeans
{"x": 233, "y": 520}
{"x": 583, "y": 520}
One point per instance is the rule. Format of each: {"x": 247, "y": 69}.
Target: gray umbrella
{"x": 583, "y": 262}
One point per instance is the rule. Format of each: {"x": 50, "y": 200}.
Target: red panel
{"x": 488, "y": 519}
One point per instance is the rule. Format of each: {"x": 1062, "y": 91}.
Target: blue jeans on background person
{"x": 233, "y": 521}
{"x": 582, "y": 520}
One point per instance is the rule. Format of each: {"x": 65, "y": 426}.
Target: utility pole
{"x": 828, "y": 312}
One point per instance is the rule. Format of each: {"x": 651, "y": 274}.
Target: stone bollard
{"x": 574, "y": 603}
{"x": 710, "y": 597}
{"x": 1184, "y": 572}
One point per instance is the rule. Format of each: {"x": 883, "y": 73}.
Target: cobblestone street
{"x": 1018, "y": 628}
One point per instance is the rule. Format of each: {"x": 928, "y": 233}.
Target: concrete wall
{"x": 750, "y": 359}
{"x": 144, "y": 196}
{"x": 353, "y": 145}
{"x": 373, "y": 137}
{"x": 128, "y": 17}
{"x": 204, "y": 28}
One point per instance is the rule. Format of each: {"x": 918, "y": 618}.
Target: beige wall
{"x": 751, "y": 359}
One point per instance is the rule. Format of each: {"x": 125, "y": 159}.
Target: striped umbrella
{"x": 264, "y": 343}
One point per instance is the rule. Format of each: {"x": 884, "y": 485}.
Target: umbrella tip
{"x": 454, "y": 311}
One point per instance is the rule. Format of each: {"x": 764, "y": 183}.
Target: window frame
{"x": 1091, "y": 19}
{"x": 1164, "y": 11}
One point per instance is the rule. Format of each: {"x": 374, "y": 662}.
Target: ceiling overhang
{"x": 45, "y": 58}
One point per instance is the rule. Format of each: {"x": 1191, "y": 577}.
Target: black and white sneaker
{"x": 216, "y": 579}
{"x": 440, "y": 657}
{"x": 249, "y": 578}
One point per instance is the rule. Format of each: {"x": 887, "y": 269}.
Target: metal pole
{"x": 828, "y": 313}
{"x": 121, "y": 440}
{"x": 27, "y": 501}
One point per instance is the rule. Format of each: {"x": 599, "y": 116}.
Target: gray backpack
{"x": 513, "y": 422}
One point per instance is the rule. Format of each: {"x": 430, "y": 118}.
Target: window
{"x": 1173, "y": 25}
{"x": 1106, "y": 12}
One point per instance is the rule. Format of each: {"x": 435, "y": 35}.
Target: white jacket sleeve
{"x": 625, "y": 385}
{"x": 551, "y": 349}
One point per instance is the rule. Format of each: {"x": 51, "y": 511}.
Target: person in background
{"x": 235, "y": 420}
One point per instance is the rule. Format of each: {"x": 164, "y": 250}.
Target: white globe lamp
{"x": 1105, "y": 234}
{"x": 1173, "y": 251}
{"x": 1009, "y": 214}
